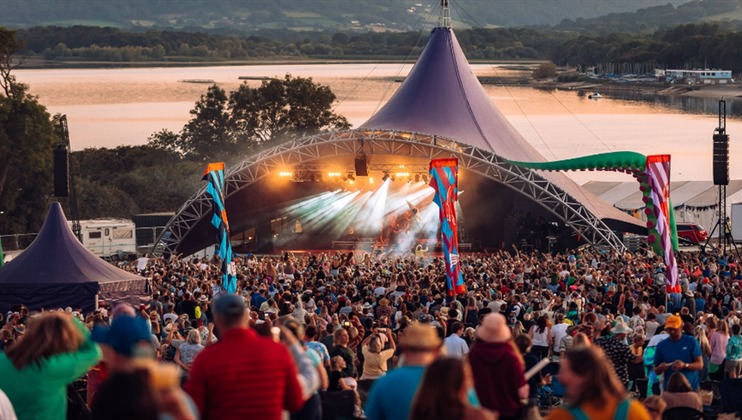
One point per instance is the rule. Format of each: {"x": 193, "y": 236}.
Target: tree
{"x": 9, "y": 47}
{"x": 278, "y": 110}
{"x": 26, "y": 140}
{"x": 545, "y": 71}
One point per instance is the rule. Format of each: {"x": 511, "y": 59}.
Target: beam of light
{"x": 332, "y": 214}
{"x": 371, "y": 217}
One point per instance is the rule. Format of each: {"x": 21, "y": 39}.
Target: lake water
{"x": 112, "y": 107}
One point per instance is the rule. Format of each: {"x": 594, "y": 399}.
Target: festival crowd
{"x": 577, "y": 335}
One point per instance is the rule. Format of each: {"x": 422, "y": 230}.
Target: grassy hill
{"x": 248, "y": 15}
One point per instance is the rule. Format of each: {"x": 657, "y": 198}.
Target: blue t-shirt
{"x": 686, "y": 349}
{"x": 391, "y": 396}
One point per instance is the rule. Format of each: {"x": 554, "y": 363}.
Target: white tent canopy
{"x": 694, "y": 201}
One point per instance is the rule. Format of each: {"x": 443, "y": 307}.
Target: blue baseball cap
{"x": 124, "y": 335}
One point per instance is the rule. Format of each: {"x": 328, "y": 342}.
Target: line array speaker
{"x": 721, "y": 159}
{"x": 361, "y": 165}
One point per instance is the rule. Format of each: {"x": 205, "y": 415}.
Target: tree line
{"x": 685, "y": 46}
{"x": 159, "y": 176}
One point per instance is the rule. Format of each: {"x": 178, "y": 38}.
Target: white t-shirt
{"x": 558, "y": 332}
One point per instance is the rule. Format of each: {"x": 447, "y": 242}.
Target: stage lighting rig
{"x": 385, "y": 177}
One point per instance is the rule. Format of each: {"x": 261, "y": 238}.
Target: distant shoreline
{"x": 731, "y": 90}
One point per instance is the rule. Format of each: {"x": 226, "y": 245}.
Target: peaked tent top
{"x": 441, "y": 96}
{"x": 56, "y": 256}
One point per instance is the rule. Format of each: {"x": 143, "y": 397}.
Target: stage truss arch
{"x": 388, "y": 142}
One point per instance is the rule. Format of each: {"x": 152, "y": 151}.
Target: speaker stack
{"x": 61, "y": 171}
{"x": 721, "y": 159}
{"x": 361, "y": 164}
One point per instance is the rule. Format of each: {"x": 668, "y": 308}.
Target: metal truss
{"x": 309, "y": 150}
{"x": 373, "y": 167}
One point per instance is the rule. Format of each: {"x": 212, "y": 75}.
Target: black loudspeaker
{"x": 361, "y": 165}
{"x": 61, "y": 171}
{"x": 721, "y": 159}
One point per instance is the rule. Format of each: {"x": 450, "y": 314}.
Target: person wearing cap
{"x": 618, "y": 351}
{"x": 499, "y": 370}
{"x": 678, "y": 353}
{"x": 243, "y": 375}
{"x": 391, "y": 395}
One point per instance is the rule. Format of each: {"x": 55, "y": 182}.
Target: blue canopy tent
{"x": 57, "y": 271}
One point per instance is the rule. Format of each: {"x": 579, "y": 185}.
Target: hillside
{"x": 248, "y": 15}
{"x": 726, "y": 12}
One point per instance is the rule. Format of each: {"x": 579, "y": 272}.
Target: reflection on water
{"x": 112, "y": 107}
{"x": 687, "y": 104}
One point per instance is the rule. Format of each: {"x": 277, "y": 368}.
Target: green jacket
{"x": 39, "y": 392}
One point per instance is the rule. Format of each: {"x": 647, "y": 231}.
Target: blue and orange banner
{"x": 444, "y": 174}
{"x": 214, "y": 174}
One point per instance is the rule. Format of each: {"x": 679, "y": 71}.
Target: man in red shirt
{"x": 243, "y": 375}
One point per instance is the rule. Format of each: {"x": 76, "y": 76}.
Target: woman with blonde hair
{"x": 374, "y": 356}
{"x": 187, "y": 352}
{"x": 35, "y": 371}
{"x": 593, "y": 390}
{"x": 718, "y": 341}
{"x": 703, "y": 341}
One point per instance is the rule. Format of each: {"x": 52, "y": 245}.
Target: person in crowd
{"x": 444, "y": 391}
{"x": 679, "y": 393}
{"x": 703, "y": 342}
{"x": 375, "y": 357}
{"x": 539, "y": 334}
{"x": 678, "y": 353}
{"x": 733, "y": 365}
{"x": 312, "y": 374}
{"x": 498, "y": 368}
{"x": 187, "y": 352}
{"x": 455, "y": 345}
{"x": 127, "y": 347}
{"x": 556, "y": 334}
{"x": 655, "y": 406}
{"x": 335, "y": 375}
{"x": 618, "y": 351}
{"x": 718, "y": 341}
{"x": 242, "y": 375}
{"x": 35, "y": 371}
{"x": 530, "y": 358}
{"x": 592, "y": 389}
{"x": 636, "y": 365}
{"x": 391, "y": 396}
{"x": 340, "y": 342}
{"x": 126, "y": 395}
{"x": 310, "y": 336}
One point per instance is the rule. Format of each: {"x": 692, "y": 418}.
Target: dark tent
{"x": 56, "y": 271}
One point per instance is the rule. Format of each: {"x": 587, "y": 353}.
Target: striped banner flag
{"x": 214, "y": 175}
{"x": 658, "y": 172}
{"x": 444, "y": 178}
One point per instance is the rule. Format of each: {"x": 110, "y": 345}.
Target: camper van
{"x": 109, "y": 238}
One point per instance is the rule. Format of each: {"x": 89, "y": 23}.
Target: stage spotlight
{"x": 425, "y": 178}
{"x": 417, "y": 177}
{"x": 385, "y": 177}
{"x": 350, "y": 177}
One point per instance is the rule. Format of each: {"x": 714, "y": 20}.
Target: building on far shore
{"x": 705, "y": 76}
